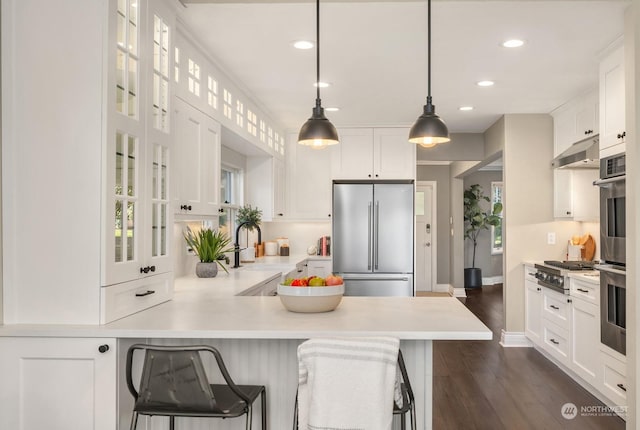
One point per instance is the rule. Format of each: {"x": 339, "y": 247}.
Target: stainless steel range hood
{"x": 581, "y": 155}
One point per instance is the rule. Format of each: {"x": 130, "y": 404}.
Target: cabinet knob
{"x": 569, "y": 301}
{"x": 369, "y": 175}
{"x": 103, "y": 348}
{"x": 152, "y": 268}
{"x": 221, "y": 210}
{"x": 329, "y": 215}
{"x": 568, "y": 212}
{"x": 539, "y": 289}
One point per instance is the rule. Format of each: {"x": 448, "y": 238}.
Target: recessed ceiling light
{"x": 465, "y": 108}
{"x": 332, "y": 109}
{"x": 485, "y": 83}
{"x": 321, "y": 84}
{"x": 513, "y": 43}
{"x": 303, "y": 44}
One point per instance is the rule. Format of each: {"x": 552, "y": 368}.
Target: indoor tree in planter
{"x": 210, "y": 246}
{"x": 477, "y": 219}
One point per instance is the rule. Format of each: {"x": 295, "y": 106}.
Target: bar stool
{"x": 174, "y": 384}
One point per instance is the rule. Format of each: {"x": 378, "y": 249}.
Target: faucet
{"x": 236, "y": 246}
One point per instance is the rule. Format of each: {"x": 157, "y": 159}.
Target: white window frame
{"x": 497, "y": 197}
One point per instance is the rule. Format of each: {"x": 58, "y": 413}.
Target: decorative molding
{"x": 492, "y": 280}
{"x": 442, "y": 288}
{"x": 457, "y": 292}
{"x": 514, "y": 339}
{"x": 432, "y": 163}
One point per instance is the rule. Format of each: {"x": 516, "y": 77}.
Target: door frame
{"x": 434, "y": 235}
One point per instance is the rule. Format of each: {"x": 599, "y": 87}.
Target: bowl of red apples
{"x": 312, "y": 294}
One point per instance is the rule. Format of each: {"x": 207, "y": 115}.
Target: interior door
{"x": 425, "y": 233}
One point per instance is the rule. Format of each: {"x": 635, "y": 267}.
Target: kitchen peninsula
{"x": 256, "y": 335}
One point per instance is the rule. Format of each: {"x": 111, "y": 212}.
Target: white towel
{"x": 347, "y": 383}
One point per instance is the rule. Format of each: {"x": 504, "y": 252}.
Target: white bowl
{"x": 310, "y": 299}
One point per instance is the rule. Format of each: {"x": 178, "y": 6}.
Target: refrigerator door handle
{"x": 369, "y": 237}
{"x": 376, "y": 219}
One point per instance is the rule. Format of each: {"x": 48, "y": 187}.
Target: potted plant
{"x": 477, "y": 219}
{"x": 249, "y": 218}
{"x": 210, "y": 246}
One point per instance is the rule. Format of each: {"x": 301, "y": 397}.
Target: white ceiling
{"x": 374, "y": 55}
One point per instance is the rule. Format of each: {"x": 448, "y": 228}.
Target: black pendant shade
{"x": 318, "y": 132}
{"x": 429, "y": 129}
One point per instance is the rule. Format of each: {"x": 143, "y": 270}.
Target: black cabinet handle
{"x": 144, "y": 269}
{"x": 621, "y": 387}
{"x": 568, "y": 212}
{"x": 280, "y": 214}
{"x": 104, "y": 348}
{"x": 582, "y": 291}
{"x": 146, "y": 293}
{"x": 622, "y": 135}
{"x": 539, "y": 289}
{"x": 569, "y": 301}
{"x": 369, "y": 175}
{"x": 554, "y": 341}
{"x": 554, "y": 307}
{"x": 226, "y": 202}
{"x": 152, "y": 268}
{"x": 221, "y": 210}
{"x": 185, "y": 207}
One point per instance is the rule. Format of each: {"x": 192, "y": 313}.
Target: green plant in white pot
{"x": 477, "y": 219}
{"x": 210, "y": 246}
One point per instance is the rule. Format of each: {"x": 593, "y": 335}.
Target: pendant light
{"x": 429, "y": 129}
{"x": 318, "y": 132}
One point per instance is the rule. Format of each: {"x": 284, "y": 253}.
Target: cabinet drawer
{"x": 614, "y": 379}
{"x": 556, "y": 341}
{"x": 530, "y": 274}
{"x": 556, "y": 308}
{"x": 118, "y": 301}
{"x": 586, "y": 291}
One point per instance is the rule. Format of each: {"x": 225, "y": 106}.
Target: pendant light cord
{"x": 318, "y": 53}
{"x": 428, "y": 51}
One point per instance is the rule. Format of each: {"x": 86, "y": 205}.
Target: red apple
{"x": 333, "y": 280}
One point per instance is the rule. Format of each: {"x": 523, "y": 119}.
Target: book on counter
{"x": 324, "y": 246}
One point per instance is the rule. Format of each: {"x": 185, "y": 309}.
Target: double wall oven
{"x": 613, "y": 252}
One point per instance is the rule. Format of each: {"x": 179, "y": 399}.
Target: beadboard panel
{"x": 274, "y": 363}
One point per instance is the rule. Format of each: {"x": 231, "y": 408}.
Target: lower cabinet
{"x": 585, "y": 320}
{"x": 320, "y": 268}
{"x": 567, "y": 329}
{"x": 58, "y": 383}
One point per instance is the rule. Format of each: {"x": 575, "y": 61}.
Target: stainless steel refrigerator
{"x": 372, "y": 238}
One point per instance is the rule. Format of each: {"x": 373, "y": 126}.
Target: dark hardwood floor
{"x": 481, "y": 385}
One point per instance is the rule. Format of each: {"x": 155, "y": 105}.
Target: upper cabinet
{"x": 265, "y": 179}
{"x": 612, "y": 100}
{"x": 99, "y": 158}
{"x": 197, "y": 160}
{"x": 575, "y": 121}
{"x": 309, "y": 187}
{"x": 380, "y": 153}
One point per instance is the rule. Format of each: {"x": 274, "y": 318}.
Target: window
{"x": 194, "y": 77}
{"x": 160, "y": 74}
{"x": 176, "y": 64}
{"x": 263, "y": 132}
{"x": 496, "y": 232}
{"x": 231, "y": 195}
{"x": 252, "y": 121}
{"x": 270, "y": 137}
{"x": 127, "y": 58}
{"x": 212, "y": 92}
{"x": 228, "y": 103}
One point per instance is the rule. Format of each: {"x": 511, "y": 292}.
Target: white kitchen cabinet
{"x": 574, "y": 195}
{"x": 320, "y": 268}
{"x": 379, "y": 153}
{"x": 612, "y": 103}
{"x": 58, "y": 383}
{"x": 575, "y": 121}
{"x": 197, "y": 159}
{"x": 585, "y": 340}
{"x": 533, "y": 307}
{"x": 309, "y": 186}
{"x": 613, "y": 380}
{"x": 265, "y": 178}
{"x": 586, "y": 291}
{"x": 556, "y": 307}
{"x": 98, "y": 159}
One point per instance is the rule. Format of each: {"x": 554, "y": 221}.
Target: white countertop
{"x": 207, "y": 308}
{"x": 591, "y": 276}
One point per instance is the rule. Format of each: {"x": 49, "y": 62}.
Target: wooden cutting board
{"x": 589, "y": 249}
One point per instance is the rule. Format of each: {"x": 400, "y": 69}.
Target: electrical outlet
{"x": 551, "y": 238}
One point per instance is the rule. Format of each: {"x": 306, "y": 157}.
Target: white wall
{"x": 301, "y": 234}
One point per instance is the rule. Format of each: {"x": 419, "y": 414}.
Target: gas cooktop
{"x": 571, "y": 265}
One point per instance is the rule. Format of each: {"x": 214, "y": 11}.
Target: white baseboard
{"x": 442, "y": 288}
{"x": 514, "y": 339}
{"x": 457, "y": 292}
{"x": 492, "y": 280}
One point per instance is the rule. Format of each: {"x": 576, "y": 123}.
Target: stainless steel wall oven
{"x": 613, "y": 302}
